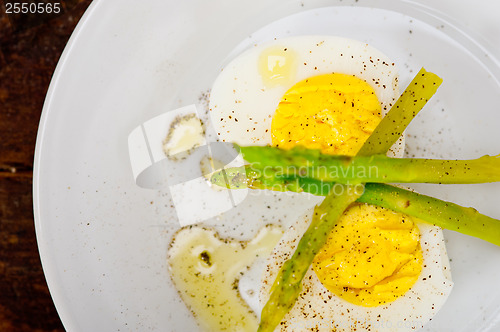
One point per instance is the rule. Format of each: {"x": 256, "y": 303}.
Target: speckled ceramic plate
{"x": 103, "y": 240}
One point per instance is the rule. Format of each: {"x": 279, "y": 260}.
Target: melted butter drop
{"x": 277, "y": 66}
{"x": 185, "y": 134}
{"x": 206, "y": 270}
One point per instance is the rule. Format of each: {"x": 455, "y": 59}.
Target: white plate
{"x": 103, "y": 240}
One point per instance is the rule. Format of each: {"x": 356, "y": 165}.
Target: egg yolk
{"x": 371, "y": 257}
{"x": 333, "y": 112}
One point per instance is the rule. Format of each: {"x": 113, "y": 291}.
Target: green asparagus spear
{"x": 286, "y": 287}
{"x": 283, "y": 293}
{"x": 411, "y": 101}
{"x": 274, "y": 162}
{"x": 432, "y": 210}
{"x": 247, "y": 177}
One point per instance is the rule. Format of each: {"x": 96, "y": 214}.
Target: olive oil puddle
{"x": 206, "y": 270}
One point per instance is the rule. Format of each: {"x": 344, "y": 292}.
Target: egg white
{"x": 242, "y": 105}
{"x": 241, "y": 109}
{"x": 317, "y": 309}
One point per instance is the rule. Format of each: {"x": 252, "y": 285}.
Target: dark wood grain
{"x": 30, "y": 46}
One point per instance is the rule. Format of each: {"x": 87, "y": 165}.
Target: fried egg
{"x": 318, "y": 309}
{"x": 249, "y": 90}
{"x": 329, "y": 93}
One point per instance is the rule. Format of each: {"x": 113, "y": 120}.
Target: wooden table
{"x": 30, "y": 46}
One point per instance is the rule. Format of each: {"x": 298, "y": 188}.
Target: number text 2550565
{"x": 32, "y": 8}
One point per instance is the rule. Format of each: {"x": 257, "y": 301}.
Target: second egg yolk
{"x": 371, "y": 257}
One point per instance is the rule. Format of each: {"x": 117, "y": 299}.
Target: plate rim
{"x": 49, "y": 270}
